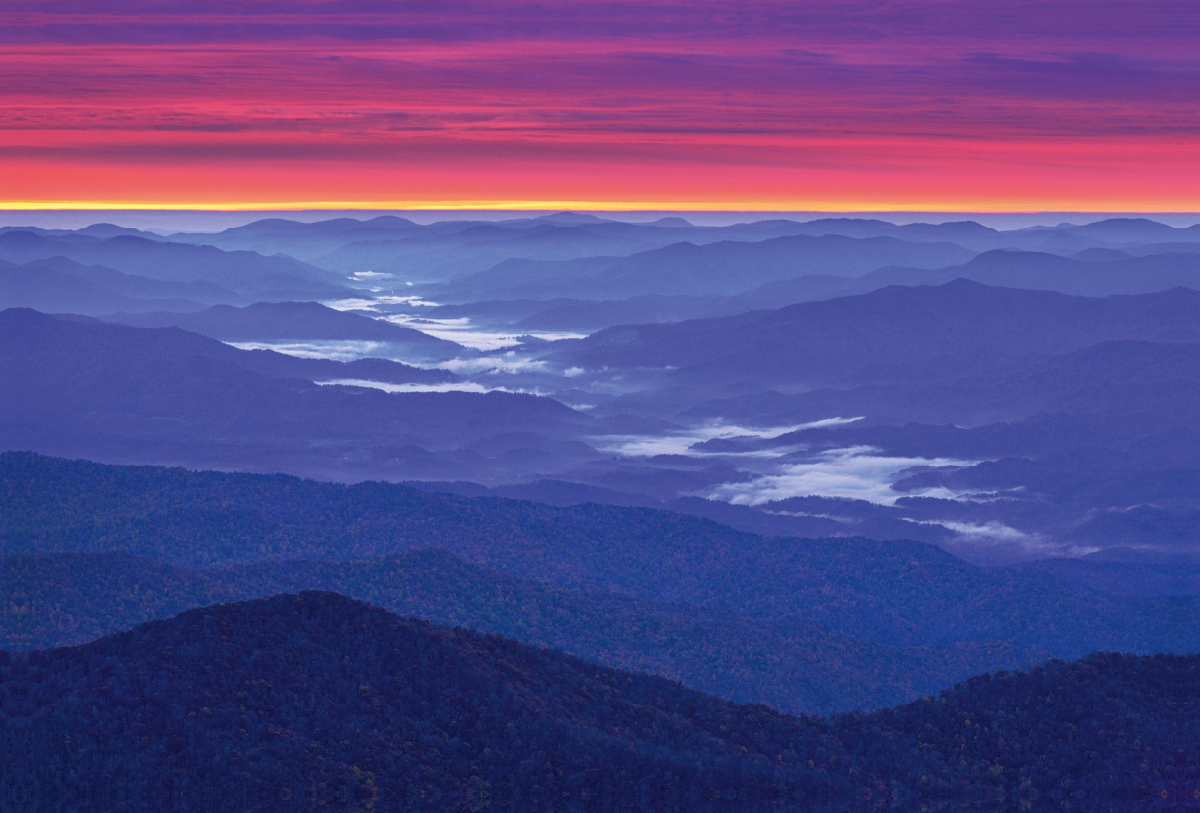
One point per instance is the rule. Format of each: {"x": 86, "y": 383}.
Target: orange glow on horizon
{"x": 856, "y": 106}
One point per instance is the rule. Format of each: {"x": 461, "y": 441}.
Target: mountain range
{"x": 923, "y": 479}
{"x": 807, "y": 625}
{"x": 439, "y": 251}
{"x": 116, "y": 392}
{"x": 245, "y": 273}
{"x": 311, "y": 700}
{"x": 1010, "y": 388}
{"x": 724, "y": 267}
{"x": 274, "y": 321}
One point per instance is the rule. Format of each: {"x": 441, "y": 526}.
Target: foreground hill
{"x": 310, "y": 700}
{"x": 71, "y": 598}
{"x": 307, "y": 701}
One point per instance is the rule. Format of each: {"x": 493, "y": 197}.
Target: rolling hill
{"x": 726, "y": 268}
{"x": 274, "y": 278}
{"x": 72, "y": 598}
{"x": 895, "y": 593}
{"x": 312, "y": 700}
{"x": 166, "y": 395}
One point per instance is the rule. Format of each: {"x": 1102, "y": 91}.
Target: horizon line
{"x": 535, "y": 206}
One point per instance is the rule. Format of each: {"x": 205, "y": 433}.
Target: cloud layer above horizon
{"x": 770, "y": 105}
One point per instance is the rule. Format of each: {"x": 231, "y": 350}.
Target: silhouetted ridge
{"x": 60, "y": 599}
{"x": 313, "y": 700}
{"x": 303, "y": 700}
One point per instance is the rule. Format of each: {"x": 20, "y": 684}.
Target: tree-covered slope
{"x": 72, "y": 598}
{"x": 892, "y": 593}
{"x": 314, "y": 701}
{"x": 298, "y": 702}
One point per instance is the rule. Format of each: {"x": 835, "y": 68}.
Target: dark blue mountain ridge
{"x": 72, "y": 598}
{"x": 1092, "y": 272}
{"x": 39, "y": 286}
{"x": 1070, "y": 275}
{"x": 1133, "y": 385}
{"x": 282, "y": 365}
{"x": 134, "y": 285}
{"x": 1133, "y": 230}
{"x": 894, "y": 593}
{"x": 308, "y": 700}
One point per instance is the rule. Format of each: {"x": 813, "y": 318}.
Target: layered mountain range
{"x": 805, "y": 625}
{"x": 312, "y": 700}
{"x": 598, "y": 484}
{"x": 1002, "y": 423}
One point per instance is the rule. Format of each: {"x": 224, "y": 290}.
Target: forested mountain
{"x": 282, "y": 365}
{"x": 965, "y": 372}
{"x": 304, "y": 701}
{"x": 72, "y": 598}
{"x": 884, "y": 607}
{"x": 758, "y": 499}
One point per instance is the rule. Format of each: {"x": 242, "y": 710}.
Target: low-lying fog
{"x": 761, "y": 472}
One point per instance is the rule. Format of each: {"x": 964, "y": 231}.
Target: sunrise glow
{"x": 618, "y": 106}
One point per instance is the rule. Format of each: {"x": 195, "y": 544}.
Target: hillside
{"x": 304, "y": 701}
{"x": 300, "y": 701}
{"x": 1092, "y": 272}
{"x": 72, "y": 598}
{"x": 888, "y": 593}
{"x": 61, "y": 285}
{"x": 291, "y": 320}
{"x": 273, "y": 278}
{"x": 164, "y": 395}
{"x": 947, "y": 329}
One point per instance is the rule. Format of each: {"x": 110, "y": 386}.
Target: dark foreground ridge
{"x": 801, "y": 624}
{"x": 315, "y": 701}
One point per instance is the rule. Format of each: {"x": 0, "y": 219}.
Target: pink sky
{"x": 839, "y": 106}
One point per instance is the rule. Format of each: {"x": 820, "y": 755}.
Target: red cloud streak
{"x": 954, "y": 105}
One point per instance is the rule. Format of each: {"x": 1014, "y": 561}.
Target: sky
{"x": 755, "y": 106}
